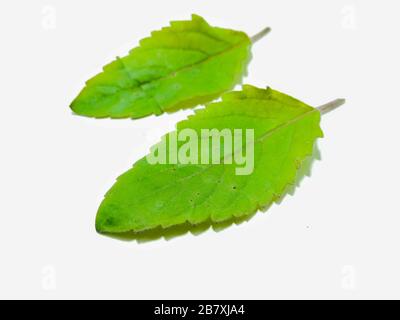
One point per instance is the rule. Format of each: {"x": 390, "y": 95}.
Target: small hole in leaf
{"x": 234, "y": 187}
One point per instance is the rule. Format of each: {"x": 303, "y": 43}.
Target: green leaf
{"x": 153, "y": 195}
{"x": 180, "y": 66}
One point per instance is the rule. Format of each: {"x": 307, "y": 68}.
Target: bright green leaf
{"x": 180, "y": 66}
{"x": 153, "y": 195}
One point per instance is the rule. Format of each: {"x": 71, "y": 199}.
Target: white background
{"x": 337, "y": 237}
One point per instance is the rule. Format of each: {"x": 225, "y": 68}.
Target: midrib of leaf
{"x": 260, "y": 139}
{"x": 285, "y": 125}
{"x": 174, "y": 72}
{"x": 177, "y": 49}
{"x": 202, "y": 32}
{"x": 206, "y": 34}
{"x": 138, "y": 86}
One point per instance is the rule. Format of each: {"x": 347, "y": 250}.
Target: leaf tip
{"x": 100, "y": 223}
{"x": 105, "y": 219}
{"x": 74, "y": 106}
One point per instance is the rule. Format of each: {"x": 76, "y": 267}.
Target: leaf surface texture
{"x": 153, "y": 195}
{"x": 180, "y": 66}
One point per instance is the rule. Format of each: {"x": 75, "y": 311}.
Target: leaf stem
{"x": 327, "y": 107}
{"x": 260, "y": 35}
